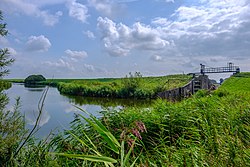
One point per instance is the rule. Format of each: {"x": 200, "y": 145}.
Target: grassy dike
{"x": 208, "y": 129}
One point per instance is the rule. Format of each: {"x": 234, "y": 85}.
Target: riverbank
{"x": 132, "y": 86}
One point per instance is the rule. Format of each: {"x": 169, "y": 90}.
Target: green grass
{"x": 128, "y": 87}
{"x": 208, "y": 129}
{"x": 237, "y": 84}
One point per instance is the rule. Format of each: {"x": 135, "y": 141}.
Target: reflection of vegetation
{"x": 32, "y": 87}
{"x": 109, "y": 102}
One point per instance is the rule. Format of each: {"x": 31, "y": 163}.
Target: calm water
{"x": 59, "y": 110}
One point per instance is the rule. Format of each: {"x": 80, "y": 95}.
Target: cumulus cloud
{"x": 38, "y": 43}
{"x": 78, "y": 10}
{"x": 212, "y": 28}
{"x": 120, "y": 39}
{"x": 30, "y": 9}
{"x": 71, "y": 64}
{"x": 76, "y": 54}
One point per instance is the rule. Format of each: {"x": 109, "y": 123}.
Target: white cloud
{"x": 89, "y": 34}
{"x": 60, "y": 64}
{"x": 211, "y": 31}
{"x": 38, "y": 43}
{"x": 49, "y": 19}
{"x": 160, "y": 21}
{"x": 30, "y": 9}
{"x": 76, "y": 54}
{"x": 78, "y": 11}
{"x": 120, "y": 39}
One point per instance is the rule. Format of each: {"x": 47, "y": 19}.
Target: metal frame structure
{"x": 230, "y": 68}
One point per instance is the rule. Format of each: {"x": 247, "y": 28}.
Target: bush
{"x": 33, "y": 79}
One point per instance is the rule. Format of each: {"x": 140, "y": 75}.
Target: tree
{"x": 5, "y": 59}
{"x": 12, "y": 126}
{"x": 33, "y": 79}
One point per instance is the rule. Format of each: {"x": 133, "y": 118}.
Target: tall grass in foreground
{"x": 209, "y": 129}
{"x": 93, "y": 153}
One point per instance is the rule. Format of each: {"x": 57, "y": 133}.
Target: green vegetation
{"x": 34, "y": 79}
{"x": 5, "y": 59}
{"x": 238, "y": 84}
{"x": 208, "y": 129}
{"x": 132, "y": 86}
{"x": 11, "y": 122}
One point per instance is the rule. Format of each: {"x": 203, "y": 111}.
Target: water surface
{"x": 59, "y": 110}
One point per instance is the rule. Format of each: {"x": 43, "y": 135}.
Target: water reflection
{"x": 31, "y": 117}
{"x": 35, "y": 89}
{"x": 35, "y": 86}
{"x": 59, "y": 110}
{"x": 109, "y": 102}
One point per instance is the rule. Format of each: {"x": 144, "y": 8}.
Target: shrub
{"x": 33, "y": 79}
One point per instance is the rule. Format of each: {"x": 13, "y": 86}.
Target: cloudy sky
{"x": 110, "y": 38}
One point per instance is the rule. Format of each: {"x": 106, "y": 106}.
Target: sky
{"x": 110, "y": 38}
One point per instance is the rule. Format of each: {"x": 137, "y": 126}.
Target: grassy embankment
{"x": 133, "y": 86}
{"x": 209, "y": 129}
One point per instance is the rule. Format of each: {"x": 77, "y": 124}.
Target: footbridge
{"x": 229, "y": 68}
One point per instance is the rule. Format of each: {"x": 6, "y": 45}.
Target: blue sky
{"x": 110, "y": 38}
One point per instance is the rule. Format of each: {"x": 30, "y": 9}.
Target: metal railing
{"x": 229, "y": 68}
